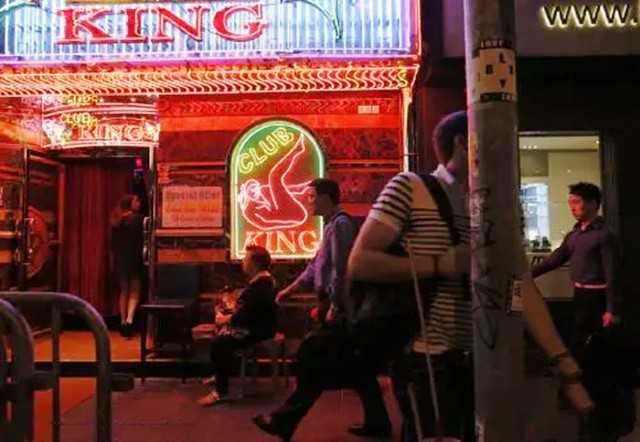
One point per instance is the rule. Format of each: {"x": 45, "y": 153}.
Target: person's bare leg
{"x": 134, "y": 299}
{"x": 542, "y": 329}
{"x": 123, "y": 301}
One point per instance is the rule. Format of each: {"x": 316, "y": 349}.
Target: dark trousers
{"x": 607, "y": 371}
{"x": 327, "y": 361}
{"x": 589, "y": 306}
{"x": 222, "y": 349}
{"x": 454, "y": 382}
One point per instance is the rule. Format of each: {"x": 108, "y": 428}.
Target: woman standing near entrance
{"x": 126, "y": 246}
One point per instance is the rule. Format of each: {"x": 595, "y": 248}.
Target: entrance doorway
{"x": 94, "y": 188}
{"x": 549, "y": 163}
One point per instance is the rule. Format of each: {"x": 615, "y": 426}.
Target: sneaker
{"x": 211, "y": 380}
{"x": 213, "y": 398}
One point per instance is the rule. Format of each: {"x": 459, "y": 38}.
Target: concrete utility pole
{"x": 497, "y": 256}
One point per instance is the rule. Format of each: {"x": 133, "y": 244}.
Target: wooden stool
{"x": 273, "y": 349}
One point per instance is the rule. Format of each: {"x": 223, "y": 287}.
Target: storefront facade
{"x": 577, "y": 98}
{"x": 229, "y": 108}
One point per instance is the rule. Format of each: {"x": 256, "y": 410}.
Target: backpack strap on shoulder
{"x": 445, "y": 209}
{"x": 351, "y": 218}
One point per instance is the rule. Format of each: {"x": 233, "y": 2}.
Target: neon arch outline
{"x": 312, "y": 142}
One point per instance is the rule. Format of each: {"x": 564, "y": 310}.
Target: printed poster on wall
{"x": 191, "y": 206}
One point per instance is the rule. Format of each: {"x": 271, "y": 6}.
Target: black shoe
{"x": 369, "y": 431}
{"x": 269, "y": 428}
{"x": 127, "y": 330}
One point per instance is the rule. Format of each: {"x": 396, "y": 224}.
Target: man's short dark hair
{"x": 587, "y": 191}
{"x": 445, "y": 134}
{"x": 260, "y": 257}
{"x": 325, "y": 186}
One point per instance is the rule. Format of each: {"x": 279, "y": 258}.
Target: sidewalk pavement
{"x": 165, "y": 410}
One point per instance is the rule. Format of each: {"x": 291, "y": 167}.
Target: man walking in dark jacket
{"x": 326, "y": 358}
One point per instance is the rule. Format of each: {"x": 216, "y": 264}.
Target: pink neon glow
{"x": 276, "y": 205}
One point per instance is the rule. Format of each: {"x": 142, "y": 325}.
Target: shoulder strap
{"x": 444, "y": 205}
{"x": 343, "y": 213}
{"x": 350, "y": 217}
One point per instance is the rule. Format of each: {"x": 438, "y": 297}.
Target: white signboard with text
{"x": 191, "y": 207}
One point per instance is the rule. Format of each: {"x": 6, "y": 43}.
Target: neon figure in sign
{"x": 277, "y": 204}
{"x": 271, "y": 169}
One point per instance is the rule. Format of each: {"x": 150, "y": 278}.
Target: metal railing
{"x": 19, "y": 390}
{"x": 105, "y": 382}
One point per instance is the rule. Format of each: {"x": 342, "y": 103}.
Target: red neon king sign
{"x": 81, "y": 24}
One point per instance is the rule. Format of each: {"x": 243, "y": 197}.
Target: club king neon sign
{"x": 272, "y": 166}
{"x": 87, "y": 121}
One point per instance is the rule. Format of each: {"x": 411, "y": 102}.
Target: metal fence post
{"x": 64, "y": 302}
{"x": 22, "y": 374}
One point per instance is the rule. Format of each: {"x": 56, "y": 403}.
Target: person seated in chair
{"x": 254, "y": 320}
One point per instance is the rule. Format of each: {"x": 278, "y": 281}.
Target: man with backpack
{"x": 326, "y": 271}
{"x": 325, "y": 355}
{"x": 427, "y": 214}
{"x": 424, "y": 217}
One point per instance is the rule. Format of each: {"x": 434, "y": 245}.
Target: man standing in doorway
{"x": 593, "y": 255}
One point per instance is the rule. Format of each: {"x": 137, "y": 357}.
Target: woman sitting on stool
{"x": 254, "y": 320}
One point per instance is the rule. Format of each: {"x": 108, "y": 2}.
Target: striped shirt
{"x": 407, "y": 206}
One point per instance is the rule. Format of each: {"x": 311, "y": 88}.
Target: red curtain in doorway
{"x": 92, "y": 190}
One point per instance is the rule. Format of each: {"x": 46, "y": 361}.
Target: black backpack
{"x": 388, "y": 311}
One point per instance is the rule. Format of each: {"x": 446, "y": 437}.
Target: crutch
{"x": 430, "y": 373}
